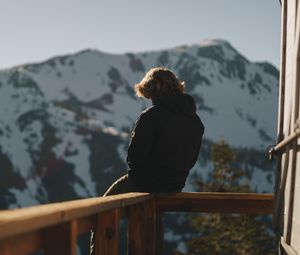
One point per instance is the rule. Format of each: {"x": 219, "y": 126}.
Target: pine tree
{"x": 228, "y": 234}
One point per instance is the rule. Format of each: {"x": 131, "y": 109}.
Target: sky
{"x": 35, "y": 30}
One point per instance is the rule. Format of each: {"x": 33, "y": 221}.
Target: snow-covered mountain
{"x": 65, "y": 122}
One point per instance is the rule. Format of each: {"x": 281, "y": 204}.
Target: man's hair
{"x": 159, "y": 82}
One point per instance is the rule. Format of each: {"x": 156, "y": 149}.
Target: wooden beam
{"x": 136, "y": 244}
{"x": 58, "y": 220}
{"x": 107, "y": 233}
{"x": 248, "y": 203}
{"x": 86, "y": 224}
{"x": 289, "y": 250}
{"x": 151, "y": 233}
{"x": 60, "y": 239}
{"x": 22, "y": 244}
{"x": 159, "y": 233}
{"x": 142, "y": 223}
{"x": 24, "y": 220}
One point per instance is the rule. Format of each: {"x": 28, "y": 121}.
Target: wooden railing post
{"x": 159, "y": 233}
{"x": 60, "y": 239}
{"x": 107, "y": 233}
{"x": 53, "y": 227}
{"x": 150, "y": 228}
{"x": 136, "y": 230}
{"x": 142, "y": 229}
{"x": 21, "y": 244}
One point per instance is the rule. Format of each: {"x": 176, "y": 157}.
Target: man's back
{"x": 165, "y": 145}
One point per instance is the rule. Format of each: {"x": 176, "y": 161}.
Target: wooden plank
{"x": 296, "y": 235}
{"x": 159, "y": 234}
{"x": 295, "y": 221}
{"x": 288, "y": 249}
{"x": 142, "y": 227}
{"x": 296, "y": 214}
{"x": 248, "y": 203}
{"x": 60, "y": 239}
{"x": 291, "y": 195}
{"x": 286, "y": 197}
{"x": 85, "y": 224}
{"x": 18, "y": 221}
{"x": 204, "y": 202}
{"x": 296, "y": 80}
{"x": 136, "y": 244}
{"x": 281, "y": 118}
{"x": 151, "y": 227}
{"x": 22, "y": 244}
{"x": 282, "y": 70}
{"x": 107, "y": 233}
{"x": 278, "y": 203}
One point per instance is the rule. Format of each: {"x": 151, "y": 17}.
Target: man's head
{"x": 159, "y": 82}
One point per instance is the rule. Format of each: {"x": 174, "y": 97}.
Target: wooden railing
{"x": 54, "y": 228}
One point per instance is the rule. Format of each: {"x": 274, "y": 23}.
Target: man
{"x": 166, "y": 138}
{"x": 165, "y": 141}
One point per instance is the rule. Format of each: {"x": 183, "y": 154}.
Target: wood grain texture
{"x": 18, "y": 221}
{"x": 63, "y": 222}
{"x": 107, "y": 233}
{"x": 159, "y": 233}
{"x": 286, "y": 213}
{"x": 248, "y": 203}
{"x": 142, "y": 229}
{"x": 60, "y": 239}
{"x": 22, "y": 244}
{"x": 86, "y": 224}
{"x": 151, "y": 233}
{"x": 136, "y": 244}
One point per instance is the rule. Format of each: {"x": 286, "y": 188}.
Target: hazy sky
{"x": 34, "y": 30}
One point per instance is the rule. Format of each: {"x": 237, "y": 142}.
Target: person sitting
{"x": 166, "y": 138}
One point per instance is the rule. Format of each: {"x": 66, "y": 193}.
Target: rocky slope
{"x": 65, "y": 122}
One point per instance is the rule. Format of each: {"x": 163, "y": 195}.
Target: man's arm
{"x": 142, "y": 139}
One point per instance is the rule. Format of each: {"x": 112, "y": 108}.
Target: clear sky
{"x": 34, "y": 30}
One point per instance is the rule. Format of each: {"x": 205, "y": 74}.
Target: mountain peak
{"x": 69, "y": 118}
{"x": 214, "y": 42}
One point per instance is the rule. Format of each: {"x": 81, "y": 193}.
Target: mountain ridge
{"x": 201, "y": 43}
{"x": 65, "y": 122}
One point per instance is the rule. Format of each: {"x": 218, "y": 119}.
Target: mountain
{"x": 65, "y": 122}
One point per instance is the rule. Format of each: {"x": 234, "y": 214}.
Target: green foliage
{"x": 224, "y": 178}
{"x": 228, "y": 234}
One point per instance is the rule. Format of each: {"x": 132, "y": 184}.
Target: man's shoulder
{"x": 149, "y": 110}
{"x": 152, "y": 110}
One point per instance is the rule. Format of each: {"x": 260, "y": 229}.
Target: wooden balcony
{"x": 54, "y": 228}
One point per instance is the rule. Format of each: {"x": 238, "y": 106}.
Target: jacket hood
{"x": 182, "y": 104}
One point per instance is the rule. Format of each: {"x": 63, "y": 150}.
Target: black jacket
{"x": 165, "y": 144}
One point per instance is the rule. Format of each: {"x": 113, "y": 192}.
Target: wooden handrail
{"x": 217, "y": 202}
{"x": 18, "y": 221}
{"x": 55, "y": 227}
